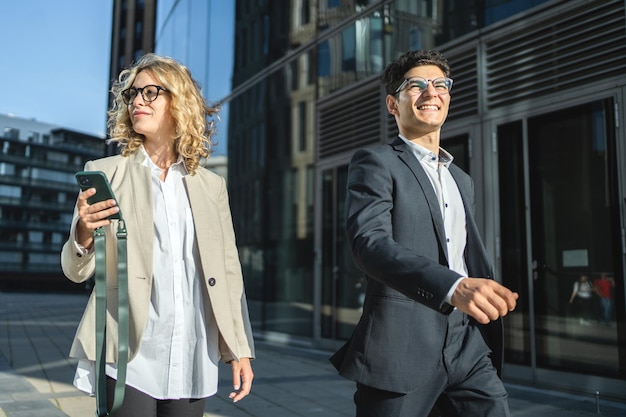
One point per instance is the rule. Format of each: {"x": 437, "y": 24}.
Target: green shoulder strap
{"x": 122, "y": 319}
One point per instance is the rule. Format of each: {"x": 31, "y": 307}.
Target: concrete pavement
{"x": 36, "y": 330}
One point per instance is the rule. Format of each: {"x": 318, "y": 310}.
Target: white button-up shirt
{"x": 450, "y": 203}
{"x": 178, "y": 355}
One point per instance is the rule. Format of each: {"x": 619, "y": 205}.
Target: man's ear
{"x": 392, "y": 104}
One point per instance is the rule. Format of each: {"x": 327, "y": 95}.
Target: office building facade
{"x": 37, "y": 195}
{"x": 132, "y": 34}
{"x": 536, "y": 118}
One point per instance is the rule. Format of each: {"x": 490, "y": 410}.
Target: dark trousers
{"x": 606, "y": 310}
{"x": 139, "y": 404}
{"x": 466, "y": 385}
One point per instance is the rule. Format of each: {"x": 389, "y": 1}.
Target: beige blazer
{"x": 220, "y": 266}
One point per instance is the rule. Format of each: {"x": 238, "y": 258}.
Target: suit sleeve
{"x": 239, "y": 303}
{"x": 372, "y": 193}
{"x": 76, "y": 266}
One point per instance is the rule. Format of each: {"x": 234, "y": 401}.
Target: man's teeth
{"x": 428, "y": 107}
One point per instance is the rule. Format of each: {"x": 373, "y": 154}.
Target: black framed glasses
{"x": 149, "y": 93}
{"x": 416, "y": 85}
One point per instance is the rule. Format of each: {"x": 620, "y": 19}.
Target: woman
{"x": 582, "y": 294}
{"x": 186, "y": 297}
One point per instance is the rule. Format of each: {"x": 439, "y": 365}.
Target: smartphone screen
{"x": 99, "y": 181}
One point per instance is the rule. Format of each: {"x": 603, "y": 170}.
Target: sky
{"x": 54, "y": 62}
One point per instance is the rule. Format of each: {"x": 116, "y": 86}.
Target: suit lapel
{"x": 208, "y": 235}
{"x": 140, "y": 182}
{"x": 475, "y": 254}
{"x": 423, "y": 181}
{"x": 456, "y": 174}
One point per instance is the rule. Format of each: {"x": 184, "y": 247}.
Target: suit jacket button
{"x": 211, "y": 281}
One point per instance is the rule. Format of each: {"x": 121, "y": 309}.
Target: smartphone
{"x": 99, "y": 181}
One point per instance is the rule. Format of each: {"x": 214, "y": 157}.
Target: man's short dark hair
{"x": 393, "y": 75}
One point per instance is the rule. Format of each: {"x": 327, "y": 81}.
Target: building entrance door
{"x": 560, "y": 241}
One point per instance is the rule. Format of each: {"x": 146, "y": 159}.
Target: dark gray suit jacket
{"x": 397, "y": 238}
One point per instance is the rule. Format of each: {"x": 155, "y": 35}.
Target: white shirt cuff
{"x": 80, "y": 250}
{"x": 448, "y": 298}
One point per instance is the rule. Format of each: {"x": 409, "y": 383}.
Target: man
{"x": 430, "y": 333}
{"x": 603, "y": 286}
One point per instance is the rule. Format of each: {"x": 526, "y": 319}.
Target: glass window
{"x": 573, "y": 235}
{"x": 10, "y": 191}
{"x": 7, "y": 169}
{"x": 57, "y": 238}
{"x": 415, "y": 39}
{"x": 348, "y": 49}
{"x": 57, "y": 157}
{"x": 513, "y": 253}
{"x": 34, "y": 137}
{"x": 261, "y": 154}
{"x": 266, "y": 35}
{"x": 496, "y": 10}
{"x": 458, "y": 147}
{"x": 10, "y": 257}
{"x": 305, "y": 12}
{"x": 51, "y": 175}
{"x": 11, "y": 133}
{"x": 343, "y": 285}
{"x": 35, "y": 237}
{"x": 323, "y": 59}
{"x": 43, "y": 258}
{"x": 461, "y": 16}
{"x": 302, "y": 122}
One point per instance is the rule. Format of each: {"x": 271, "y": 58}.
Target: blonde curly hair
{"x": 194, "y": 119}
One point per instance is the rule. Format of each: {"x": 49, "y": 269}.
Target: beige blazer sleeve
{"x": 220, "y": 263}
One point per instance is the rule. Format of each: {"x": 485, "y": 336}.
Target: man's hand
{"x": 242, "y": 378}
{"x": 484, "y": 299}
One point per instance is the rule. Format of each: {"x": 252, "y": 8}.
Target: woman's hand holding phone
{"x": 96, "y": 206}
{"x": 92, "y": 216}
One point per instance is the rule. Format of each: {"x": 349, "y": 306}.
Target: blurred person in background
{"x": 582, "y": 299}
{"x": 603, "y": 286}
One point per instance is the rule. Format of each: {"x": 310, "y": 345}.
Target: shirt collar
{"x": 445, "y": 158}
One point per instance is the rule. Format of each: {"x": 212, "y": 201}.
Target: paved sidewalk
{"x": 36, "y": 377}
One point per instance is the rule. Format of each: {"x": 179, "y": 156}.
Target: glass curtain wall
{"x": 287, "y": 58}
{"x": 297, "y": 55}
{"x": 198, "y": 34}
{"x": 270, "y": 153}
{"x": 182, "y": 32}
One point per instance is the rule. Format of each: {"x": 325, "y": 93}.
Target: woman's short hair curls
{"x": 194, "y": 119}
